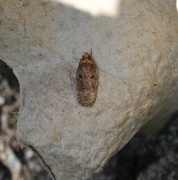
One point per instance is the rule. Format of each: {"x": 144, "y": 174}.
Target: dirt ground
{"x": 145, "y": 157}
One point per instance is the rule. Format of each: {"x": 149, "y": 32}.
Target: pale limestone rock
{"x": 136, "y": 52}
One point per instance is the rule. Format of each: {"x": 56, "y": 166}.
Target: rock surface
{"x": 136, "y": 53}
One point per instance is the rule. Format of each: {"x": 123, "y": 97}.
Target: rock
{"x": 144, "y": 155}
{"x": 136, "y": 54}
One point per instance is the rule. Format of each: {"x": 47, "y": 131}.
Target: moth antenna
{"x": 75, "y": 58}
{"x": 91, "y": 52}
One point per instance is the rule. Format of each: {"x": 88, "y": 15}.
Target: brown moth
{"x": 87, "y": 80}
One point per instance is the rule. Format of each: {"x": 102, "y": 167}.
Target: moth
{"x": 87, "y": 80}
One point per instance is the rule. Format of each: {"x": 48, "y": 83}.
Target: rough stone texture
{"x": 136, "y": 52}
{"x": 146, "y": 156}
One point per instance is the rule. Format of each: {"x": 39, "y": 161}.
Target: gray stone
{"x": 136, "y": 53}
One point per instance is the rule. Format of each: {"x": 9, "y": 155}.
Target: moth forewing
{"x": 87, "y": 80}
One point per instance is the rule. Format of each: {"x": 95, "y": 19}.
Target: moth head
{"x": 86, "y": 59}
{"x": 86, "y": 56}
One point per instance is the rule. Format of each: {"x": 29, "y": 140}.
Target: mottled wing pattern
{"x": 87, "y": 81}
